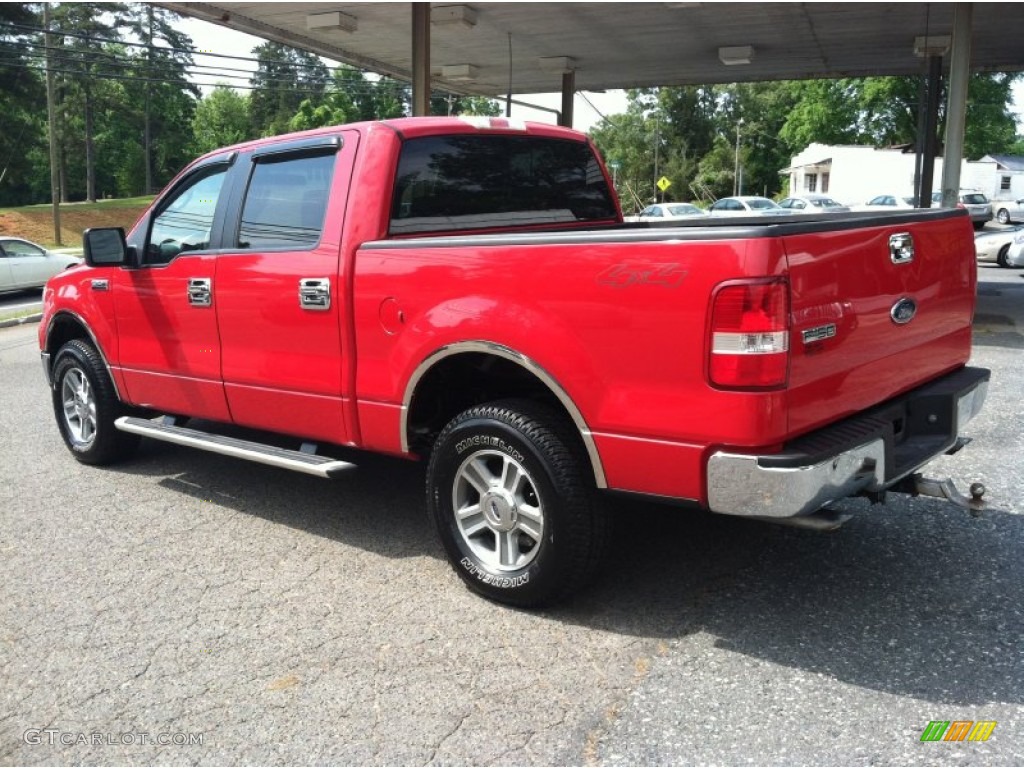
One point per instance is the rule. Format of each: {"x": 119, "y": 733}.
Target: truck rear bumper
{"x": 867, "y": 452}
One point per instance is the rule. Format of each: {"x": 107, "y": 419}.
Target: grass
{"x": 18, "y": 313}
{"x": 35, "y": 222}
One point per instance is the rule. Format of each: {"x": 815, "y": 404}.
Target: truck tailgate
{"x": 870, "y": 319}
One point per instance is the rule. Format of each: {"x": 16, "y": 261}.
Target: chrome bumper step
{"x": 298, "y": 461}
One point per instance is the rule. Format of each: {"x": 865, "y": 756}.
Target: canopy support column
{"x": 956, "y": 107}
{"x": 568, "y": 94}
{"x": 420, "y": 59}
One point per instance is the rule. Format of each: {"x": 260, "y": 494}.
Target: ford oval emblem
{"x": 903, "y": 311}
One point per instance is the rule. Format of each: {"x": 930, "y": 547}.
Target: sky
{"x": 218, "y": 39}
{"x": 588, "y": 111}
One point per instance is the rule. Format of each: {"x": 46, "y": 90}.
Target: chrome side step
{"x": 298, "y": 461}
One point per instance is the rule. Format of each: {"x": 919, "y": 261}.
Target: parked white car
{"x": 745, "y": 205}
{"x": 1015, "y": 253}
{"x": 1008, "y": 211}
{"x": 813, "y": 203}
{"x": 667, "y": 211}
{"x": 995, "y": 246}
{"x": 25, "y": 265}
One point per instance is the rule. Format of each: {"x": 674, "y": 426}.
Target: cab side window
{"x": 184, "y": 222}
{"x": 286, "y": 202}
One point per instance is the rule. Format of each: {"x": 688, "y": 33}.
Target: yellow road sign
{"x": 664, "y": 183}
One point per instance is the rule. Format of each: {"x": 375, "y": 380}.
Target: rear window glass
{"x": 756, "y": 205}
{"x": 975, "y": 199}
{"x": 450, "y": 183}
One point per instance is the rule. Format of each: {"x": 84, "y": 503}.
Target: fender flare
{"x": 506, "y": 353}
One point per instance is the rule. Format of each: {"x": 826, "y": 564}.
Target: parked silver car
{"x": 995, "y": 246}
{"x": 813, "y": 203}
{"x": 976, "y": 204}
{"x": 24, "y": 265}
{"x": 1008, "y": 211}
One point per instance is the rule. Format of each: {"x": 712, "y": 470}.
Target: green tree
{"x": 221, "y": 119}
{"x": 23, "y": 138}
{"x": 162, "y": 89}
{"x": 85, "y": 28}
{"x": 284, "y": 78}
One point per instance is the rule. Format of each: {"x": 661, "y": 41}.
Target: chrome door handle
{"x": 200, "y": 291}
{"x": 315, "y": 293}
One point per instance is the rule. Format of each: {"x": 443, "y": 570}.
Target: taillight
{"x": 750, "y": 335}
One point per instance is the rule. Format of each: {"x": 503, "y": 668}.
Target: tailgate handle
{"x": 901, "y": 248}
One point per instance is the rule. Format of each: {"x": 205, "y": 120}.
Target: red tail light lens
{"x": 750, "y": 335}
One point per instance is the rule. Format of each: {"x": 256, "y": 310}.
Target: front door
{"x": 169, "y": 350}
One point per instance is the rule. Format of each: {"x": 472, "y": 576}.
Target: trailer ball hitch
{"x": 918, "y": 485}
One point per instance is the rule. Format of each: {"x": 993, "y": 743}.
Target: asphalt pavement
{"x": 186, "y": 608}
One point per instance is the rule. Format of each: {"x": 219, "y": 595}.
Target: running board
{"x": 298, "y": 461}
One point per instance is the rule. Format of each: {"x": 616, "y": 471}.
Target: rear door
{"x": 280, "y": 297}
{"x": 877, "y": 309}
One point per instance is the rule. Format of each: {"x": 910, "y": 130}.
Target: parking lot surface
{"x": 186, "y": 608}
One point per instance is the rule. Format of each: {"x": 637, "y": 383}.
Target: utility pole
{"x": 51, "y": 112}
{"x": 147, "y": 137}
{"x": 737, "y": 187}
{"x": 657, "y": 142}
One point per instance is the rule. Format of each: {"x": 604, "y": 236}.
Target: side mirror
{"x": 105, "y": 247}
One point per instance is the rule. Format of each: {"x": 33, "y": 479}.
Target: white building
{"x": 1008, "y": 182}
{"x": 854, "y": 174}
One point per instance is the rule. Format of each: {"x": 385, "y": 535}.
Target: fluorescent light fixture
{"x": 451, "y": 15}
{"x": 332, "y": 20}
{"x": 459, "y": 71}
{"x": 931, "y": 45}
{"x": 557, "y": 63}
{"x": 732, "y": 55}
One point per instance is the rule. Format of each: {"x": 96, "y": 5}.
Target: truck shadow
{"x": 913, "y": 598}
{"x": 999, "y": 314}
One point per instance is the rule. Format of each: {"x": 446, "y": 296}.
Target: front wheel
{"x": 1001, "y": 256}
{"x": 1003, "y": 216}
{"x": 86, "y": 405}
{"x": 514, "y": 504}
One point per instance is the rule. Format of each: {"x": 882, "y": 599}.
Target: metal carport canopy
{"x": 627, "y": 45}
{"x": 497, "y": 48}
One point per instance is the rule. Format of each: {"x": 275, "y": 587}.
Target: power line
{"x": 191, "y": 51}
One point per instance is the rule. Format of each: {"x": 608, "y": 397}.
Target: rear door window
{"x": 286, "y": 202}
{"x": 474, "y": 182}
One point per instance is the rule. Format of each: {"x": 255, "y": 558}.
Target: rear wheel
{"x": 1003, "y": 216}
{"x": 86, "y": 405}
{"x": 1001, "y": 256}
{"x": 514, "y": 504}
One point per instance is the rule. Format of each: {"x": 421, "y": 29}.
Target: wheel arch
{"x": 65, "y": 326}
{"x": 434, "y": 393}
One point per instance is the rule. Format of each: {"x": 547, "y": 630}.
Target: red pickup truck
{"x": 465, "y": 292}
